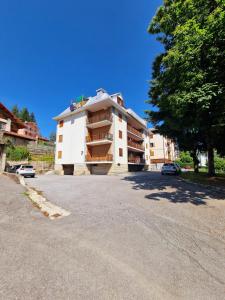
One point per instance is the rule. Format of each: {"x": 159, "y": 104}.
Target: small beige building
{"x": 162, "y": 149}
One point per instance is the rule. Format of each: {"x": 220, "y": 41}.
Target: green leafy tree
{"x": 188, "y": 80}
{"x": 17, "y": 153}
{"x": 219, "y": 163}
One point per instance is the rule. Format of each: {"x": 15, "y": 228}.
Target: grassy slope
{"x": 202, "y": 177}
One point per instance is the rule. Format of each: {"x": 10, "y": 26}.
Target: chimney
{"x": 100, "y": 91}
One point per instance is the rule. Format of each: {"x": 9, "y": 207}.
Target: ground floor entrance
{"x": 68, "y": 169}
{"x": 100, "y": 169}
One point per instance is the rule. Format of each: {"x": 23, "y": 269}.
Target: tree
{"x": 52, "y": 136}
{"x": 188, "y": 80}
{"x": 15, "y": 111}
{"x": 32, "y": 117}
{"x": 17, "y": 153}
{"x": 24, "y": 115}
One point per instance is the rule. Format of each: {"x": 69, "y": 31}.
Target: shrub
{"x": 185, "y": 157}
{"x": 17, "y": 153}
{"x": 219, "y": 164}
{"x": 184, "y": 165}
{"x": 46, "y": 157}
{"x": 185, "y": 160}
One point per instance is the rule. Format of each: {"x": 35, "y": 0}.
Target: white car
{"x": 170, "y": 168}
{"x": 26, "y": 171}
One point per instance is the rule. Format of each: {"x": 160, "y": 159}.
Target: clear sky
{"x": 53, "y": 51}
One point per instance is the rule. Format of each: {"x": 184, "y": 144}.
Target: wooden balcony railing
{"x": 107, "y": 157}
{"x": 99, "y": 118}
{"x": 136, "y": 160}
{"x": 135, "y": 145}
{"x": 99, "y": 137}
{"x": 134, "y": 131}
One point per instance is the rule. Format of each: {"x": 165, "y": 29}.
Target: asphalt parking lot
{"x": 143, "y": 236}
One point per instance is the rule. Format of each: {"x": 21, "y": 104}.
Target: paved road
{"x": 134, "y": 237}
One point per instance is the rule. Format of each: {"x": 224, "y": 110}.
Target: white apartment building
{"x": 98, "y": 135}
{"x": 162, "y": 149}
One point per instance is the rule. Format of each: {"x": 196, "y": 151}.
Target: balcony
{"x": 134, "y": 133}
{"x": 108, "y": 158}
{"x": 136, "y": 160}
{"x": 99, "y": 120}
{"x": 135, "y": 146}
{"x": 99, "y": 139}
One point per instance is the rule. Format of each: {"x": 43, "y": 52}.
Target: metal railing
{"x": 99, "y": 118}
{"x": 135, "y": 145}
{"x": 107, "y": 157}
{"x": 134, "y": 131}
{"x": 99, "y": 136}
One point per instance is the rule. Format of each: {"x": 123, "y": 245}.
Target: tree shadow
{"x": 172, "y": 188}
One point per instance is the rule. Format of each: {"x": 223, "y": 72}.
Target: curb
{"x": 209, "y": 187}
{"x": 47, "y": 208}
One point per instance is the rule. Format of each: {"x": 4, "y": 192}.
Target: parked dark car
{"x": 12, "y": 169}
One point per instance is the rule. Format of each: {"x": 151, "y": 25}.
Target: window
{"x": 61, "y": 123}
{"x": 146, "y": 146}
{"x": 59, "y": 154}
{"x": 60, "y": 138}
{"x": 146, "y": 157}
{"x": 120, "y": 152}
{"x": 151, "y": 145}
{"x": 120, "y": 117}
{"x": 152, "y": 153}
{"x": 2, "y": 126}
{"x": 120, "y": 134}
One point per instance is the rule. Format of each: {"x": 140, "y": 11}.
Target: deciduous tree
{"x": 188, "y": 82}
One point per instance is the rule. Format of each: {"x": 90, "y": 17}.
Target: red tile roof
{"x": 18, "y": 135}
{"x": 19, "y": 123}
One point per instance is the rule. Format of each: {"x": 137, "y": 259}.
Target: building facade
{"x": 98, "y": 135}
{"x": 9, "y": 127}
{"x": 162, "y": 150}
{"x": 30, "y": 129}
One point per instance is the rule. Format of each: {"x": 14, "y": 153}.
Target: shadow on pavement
{"x": 172, "y": 188}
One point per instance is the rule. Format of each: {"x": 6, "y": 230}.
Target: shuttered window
{"x": 61, "y": 123}
{"x": 60, "y": 138}
{"x": 59, "y": 154}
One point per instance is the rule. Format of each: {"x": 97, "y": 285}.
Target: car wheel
{"x": 162, "y": 173}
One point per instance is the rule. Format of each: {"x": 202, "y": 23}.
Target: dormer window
{"x": 120, "y": 101}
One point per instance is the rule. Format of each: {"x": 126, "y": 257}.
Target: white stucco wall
{"x": 73, "y": 145}
{"x": 120, "y": 143}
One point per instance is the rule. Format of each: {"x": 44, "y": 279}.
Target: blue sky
{"x": 53, "y": 51}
